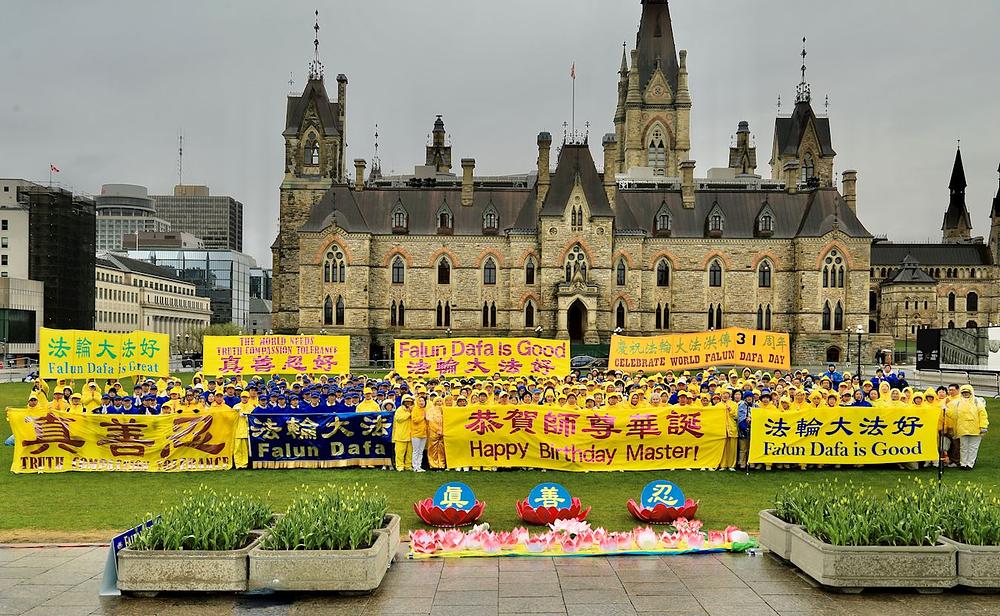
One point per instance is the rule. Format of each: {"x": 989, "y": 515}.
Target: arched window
{"x": 764, "y": 275}
{"x": 872, "y": 326}
{"x": 666, "y": 316}
{"x": 334, "y": 266}
{"x": 659, "y": 318}
{"x": 662, "y": 222}
{"x": 529, "y": 271}
{"x": 443, "y": 314}
{"x": 398, "y": 271}
{"x": 833, "y": 355}
{"x": 402, "y": 314}
{"x": 760, "y": 316}
{"x": 972, "y": 302}
{"x": 827, "y": 317}
{"x": 906, "y": 305}
{"x": 663, "y": 273}
{"x": 392, "y": 314}
{"x": 340, "y": 311}
{"x": 486, "y": 314}
{"x": 657, "y": 154}
{"x": 951, "y": 325}
{"x": 444, "y": 219}
{"x": 838, "y": 318}
{"x": 715, "y": 222}
{"x": 493, "y": 314}
{"x": 328, "y": 311}
{"x": 490, "y": 272}
{"x": 444, "y": 271}
{"x": 715, "y": 274}
{"x": 576, "y": 261}
{"x": 439, "y": 315}
{"x": 872, "y": 301}
{"x": 834, "y": 270}
{"x": 767, "y": 318}
{"x": 951, "y": 302}
{"x": 711, "y": 316}
{"x": 620, "y": 273}
{"x": 529, "y": 315}
{"x": 808, "y": 167}
{"x": 312, "y": 150}
{"x": 620, "y": 315}
{"x": 972, "y": 324}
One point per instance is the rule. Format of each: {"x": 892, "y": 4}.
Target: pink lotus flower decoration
{"x": 683, "y": 524}
{"x": 735, "y": 535}
{"x": 624, "y": 540}
{"x": 537, "y": 544}
{"x": 670, "y": 540}
{"x": 508, "y": 540}
{"x": 716, "y": 538}
{"x": 694, "y": 540}
{"x": 646, "y": 538}
{"x": 451, "y": 540}
{"x": 570, "y": 544}
{"x": 661, "y": 514}
{"x": 424, "y": 542}
{"x": 542, "y": 516}
{"x": 608, "y": 544}
{"x": 491, "y": 545}
{"x": 447, "y": 518}
{"x": 571, "y": 526}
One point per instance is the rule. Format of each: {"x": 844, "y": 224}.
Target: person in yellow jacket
{"x": 435, "y": 431}
{"x": 400, "y": 431}
{"x": 368, "y": 405}
{"x": 241, "y": 453}
{"x": 59, "y": 402}
{"x": 190, "y": 404}
{"x": 969, "y": 422}
{"x": 418, "y": 429}
{"x": 730, "y": 408}
{"x": 91, "y": 396}
{"x": 76, "y": 404}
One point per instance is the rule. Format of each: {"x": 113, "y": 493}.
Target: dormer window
{"x": 716, "y": 221}
{"x": 400, "y": 219}
{"x": 662, "y": 222}
{"x": 312, "y": 150}
{"x": 446, "y": 220}
{"x": 765, "y": 221}
{"x": 808, "y": 167}
{"x": 491, "y": 221}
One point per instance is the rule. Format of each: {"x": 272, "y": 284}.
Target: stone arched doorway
{"x": 833, "y": 355}
{"x": 576, "y": 321}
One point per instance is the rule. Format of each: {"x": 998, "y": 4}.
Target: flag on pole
{"x": 572, "y": 71}
{"x": 53, "y": 168}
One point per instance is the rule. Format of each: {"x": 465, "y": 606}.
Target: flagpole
{"x": 574, "y": 99}
{"x": 50, "y": 175}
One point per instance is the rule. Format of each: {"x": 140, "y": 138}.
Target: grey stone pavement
{"x": 64, "y": 581}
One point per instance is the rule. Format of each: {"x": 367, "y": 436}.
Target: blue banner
{"x": 320, "y": 440}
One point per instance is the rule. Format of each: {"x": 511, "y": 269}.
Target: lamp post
{"x": 187, "y": 342}
{"x": 447, "y": 332}
{"x": 619, "y": 331}
{"x": 859, "y": 330}
{"x": 538, "y": 331}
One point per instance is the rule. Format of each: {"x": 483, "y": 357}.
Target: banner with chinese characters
{"x": 228, "y": 355}
{"x": 641, "y": 438}
{"x": 318, "y": 440}
{"x": 733, "y": 346}
{"x": 56, "y": 442}
{"x": 462, "y": 357}
{"x": 845, "y": 435}
{"x": 73, "y": 353}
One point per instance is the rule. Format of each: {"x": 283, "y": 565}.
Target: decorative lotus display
{"x": 454, "y": 504}
{"x": 662, "y": 502}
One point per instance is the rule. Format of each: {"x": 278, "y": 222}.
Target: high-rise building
{"x": 260, "y": 283}
{"x": 125, "y": 209}
{"x": 218, "y": 220}
{"x": 223, "y": 276}
{"x": 62, "y": 229}
{"x": 22, "y": 301}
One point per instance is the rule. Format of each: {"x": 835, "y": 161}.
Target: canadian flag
{"x": 53, "y": 168}
{"x": 572, "y": 71}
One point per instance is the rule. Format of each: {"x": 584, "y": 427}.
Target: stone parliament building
{"x": 639, "y": 245}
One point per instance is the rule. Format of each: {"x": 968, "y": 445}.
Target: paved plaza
{"x": 64, "y": 581}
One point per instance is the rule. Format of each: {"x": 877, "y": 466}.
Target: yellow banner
{"x": 608, "y": 439}
{"x": 73, "y": 353}
{"x": 462, "y": 357}
{"x": 845, "y": 435}
{"x": 56, "y": 442}
{"x": 732, "y": 346}
{"x": 276, "y": 354}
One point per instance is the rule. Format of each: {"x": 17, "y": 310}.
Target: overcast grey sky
{"x": 101, "y": 88}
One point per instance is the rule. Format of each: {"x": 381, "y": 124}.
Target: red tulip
{"x": 447, "y": 518}
{"x": 542, "y": 516}
{"x": 661, "y": 514}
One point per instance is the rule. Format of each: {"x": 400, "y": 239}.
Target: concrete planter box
{"x": 391, "y": 528}
{"x": 978, "y": 565}
{"x": 151, "y": 571}
{"x": 322, "y": 570}
{"x": 776, "y": 534}
{"x": 853, "y": 568}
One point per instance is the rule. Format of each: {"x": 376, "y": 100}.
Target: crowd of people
{"x": 418, "y": 405}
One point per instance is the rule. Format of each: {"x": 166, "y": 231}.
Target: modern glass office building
{"x": 125, "y": 209}
{"x": 223, "y": 276}
{"x": 216, "y": 219}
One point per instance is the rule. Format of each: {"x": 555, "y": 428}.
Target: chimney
{"x": 468, "y": 166}
{"x": 687, "y": 183}
{"x": 342, "y": 95}
{"x": 610, "y": 143}
{"x": 851, "y": 189}
{"x": 359, "y": 174}
{"x": 683, "y": 94}
{"x": 791, "y": 175}
{"x": 544, "y": 145}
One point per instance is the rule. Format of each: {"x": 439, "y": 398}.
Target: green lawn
{"x": 80, "y": 506}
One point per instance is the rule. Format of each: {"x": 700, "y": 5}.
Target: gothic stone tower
{"x": 957, "y": 226}
{"x": 314, "y": 161}
{"x": 653, "y": 118}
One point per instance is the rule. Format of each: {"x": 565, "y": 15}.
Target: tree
{"x": 218, "y": 329}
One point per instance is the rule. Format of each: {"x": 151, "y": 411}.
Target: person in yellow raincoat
{"x": 76, "y": 404}
{"x": 368, "y": 405}
{"x": 969, "y": 422}
{"x": 241, "y": 452}
{"x": 91, "y": 396}
{"x": 401, "y": 431}
{"x": 418, "y": 430}
{"x": 732, "y": 433}
{"x": 435, "y": 431}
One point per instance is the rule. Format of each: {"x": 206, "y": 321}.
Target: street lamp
{"x": 322, "y": 332}
{"x": 859, "y": 330}
{"x": 538, "y": 332}
{"x": 619, "y": 331}
{"x": 447, "y": 332}
{"x": 187, "y": 342}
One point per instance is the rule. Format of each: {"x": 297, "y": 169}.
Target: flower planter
{"x": 391, "y": 527}
{"x": 322, "y": 570}
{"x": 853, "y": 568}
{"x": 151, "y": 571}
{"x": 978, "y": 565}
{"x": 776, "y": 534}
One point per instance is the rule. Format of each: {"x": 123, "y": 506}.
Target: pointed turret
{"x": 957, "y": 226}
{"x": 995, "y": 227}
{"x": 655, "y": 42}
